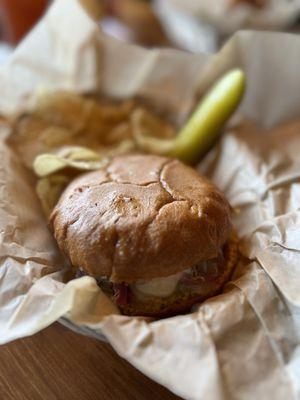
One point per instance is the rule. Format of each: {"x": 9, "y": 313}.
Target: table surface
{"x": 58, "y": 364}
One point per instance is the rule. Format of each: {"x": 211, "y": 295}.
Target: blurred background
{"x": 129, "y": 20}
{"x": 192, "y": 25}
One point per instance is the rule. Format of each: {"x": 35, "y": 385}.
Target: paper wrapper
{"x": 241, "y": 344}
{"x": 200, "y": 25}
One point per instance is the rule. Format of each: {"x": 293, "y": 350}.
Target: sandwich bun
{"x": 144, "y": 217}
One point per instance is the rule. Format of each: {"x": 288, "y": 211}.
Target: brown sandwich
{"x": 155, "y": 234}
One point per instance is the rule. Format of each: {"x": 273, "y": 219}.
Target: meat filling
{"x": 190, "y": 279}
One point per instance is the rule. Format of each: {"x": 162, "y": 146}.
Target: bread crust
{"x": 140, "y": 217}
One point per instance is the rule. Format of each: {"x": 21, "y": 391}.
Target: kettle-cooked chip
{"x": 151, "y": 125}
{"x": 55, "y": 136}
{"x": 124, "y": 147}
{"x": 89, "y": 120}
{"x": 144, "y": 129}
{"x": 78, "y": 153}
{"x": 49, "y": 190}
{"x": 78, "y": 158}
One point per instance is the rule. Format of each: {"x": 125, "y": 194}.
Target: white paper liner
{"x": 240, "y": 344}
{"x": 200, "y": 25}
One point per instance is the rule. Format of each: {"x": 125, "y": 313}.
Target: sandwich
{"x": 155, "y": 234}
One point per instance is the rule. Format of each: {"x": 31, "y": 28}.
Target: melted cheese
{"x": 160, "y": 287}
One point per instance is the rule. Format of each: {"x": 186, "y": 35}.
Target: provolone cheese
{"x": 160, "y": 287}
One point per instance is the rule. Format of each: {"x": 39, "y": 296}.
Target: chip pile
{"x": 66, "y": 134}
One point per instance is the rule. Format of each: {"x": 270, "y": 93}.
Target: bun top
{"x": 140, "y": 217}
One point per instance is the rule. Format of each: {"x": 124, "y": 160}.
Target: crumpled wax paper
{"x": 200, "y": 25}
{"x": 241, "y": 344}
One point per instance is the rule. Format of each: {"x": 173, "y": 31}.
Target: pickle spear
{"x": 202, "y": 129}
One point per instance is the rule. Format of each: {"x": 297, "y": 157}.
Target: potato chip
{"x": 112, "y": 113}
{"x": 124, "y": 147}
{"x": 67, "y": 134}
{"x": 62, "y": 119}
{"x": 55, "y": 136}
{"x": 63, "y": 109}
{"x": 145, "y": 135}
{"x": 47, "y": 164}
{"x": 104, "y": 118}
{"x": 49, "y": 190}
{"x": 66, "y": 109}
{"x": 89, "y": 120}
{"x": 118, "y": 133}
{"x": 78, "y": 158}
{"x": 25, "y": 138}
{"x": 78, "y": 153}
{"x": 152, "y": 125}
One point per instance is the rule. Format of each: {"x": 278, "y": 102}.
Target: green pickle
{"x": 205, "y": 125}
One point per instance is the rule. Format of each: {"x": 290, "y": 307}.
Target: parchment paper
{"x": 201, "y": 25}
{"x": 242, "y": 344}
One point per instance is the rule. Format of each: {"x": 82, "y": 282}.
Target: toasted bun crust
{"x": 140, "y": 217}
